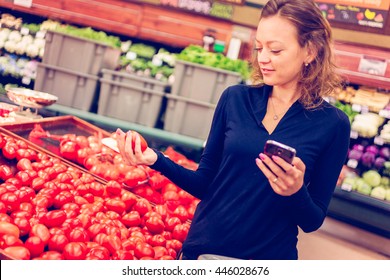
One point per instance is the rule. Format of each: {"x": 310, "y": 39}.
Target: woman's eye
{"x": 258, "y": 49}
{"x": 275, "y": 51}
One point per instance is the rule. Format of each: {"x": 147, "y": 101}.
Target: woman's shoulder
{"x": 334, "y": 115}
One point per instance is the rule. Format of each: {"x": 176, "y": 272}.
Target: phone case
{"x": 281, "y": 150}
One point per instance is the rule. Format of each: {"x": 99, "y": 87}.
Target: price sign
{"x": 346, "y": 187}
{"x": 353, "y": 163}
{"x": 354, "y": 134}
{"x": 374, "y": 66}
{"x": 23, "y": 3}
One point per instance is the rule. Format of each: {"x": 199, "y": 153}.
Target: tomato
{"x": 159, "y": 251}
{"x": 3, "y": 208}
{"x": 74, "y": 251}
{"x": 14, "y": 181}
{"x": 134, "y": 177}
{"x": 99, "y": 253}
{"x": 8, "y": 228}
{"x": 25, "y": 194}
{"x": 57, "y": 242}
{"x": 170, "y": 187}
{"x": 8, "y": 240}
{"x": 122, "y": 255}
{"x": 5, "y": 172}
{"x": 171, "y": 222}
{"x": 157, "y": 181}
{"x": 113, "y": 188}
{"x": 10, "y": 200}
{"x": 129, "y": 199}
{"x": 65, "y": 177}
{"x": 154, "y": 225}
{"x": 68, "y": 149}
{"x": 24, "y": 164}
{"x": 24, "y": 177}
{"x": 79, "y": 234}
{"x": 41, "y": 231}
{"x": 170, "y": 196}
{"x": 166, "y": 258}
{"x": 54, "y": 218}
{"x": 9, "y": 150}
{"x": 131, "y": 219}
{"x": 51, "y": 255}
{"x": 162, "y": 210}
{"x": 41, "y": 201}
{"x": 158, "y": 240}
{"x": 174, "y": 244}
{"x": 95, "y": 229}
{"x": 62, "y": 198}
{"x": 113, "y": 243}
{"x": 180, "y": 232}
{"x": 181, "y": 212}
{"x": 144, "y": 144}
{"x": 116, "y": 205}
{"x": 18, "y": 252}
{"x": 4, "y": 218}
{"x": 142, "y": 206}
{"x": 35, "y": 245}
{"x": 143, "y": 250}
{"x": 96, "y": 189}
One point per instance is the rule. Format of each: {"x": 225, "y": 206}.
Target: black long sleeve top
{"x": 239, "y": 214}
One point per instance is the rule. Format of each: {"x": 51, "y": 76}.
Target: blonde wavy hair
{"x": 319, "y": 78}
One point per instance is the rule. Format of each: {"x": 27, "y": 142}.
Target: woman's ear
{"x": 311, "y": 52}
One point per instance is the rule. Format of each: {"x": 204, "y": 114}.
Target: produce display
{"x": 197, "y": 54}
{"x": 52, "y": 210}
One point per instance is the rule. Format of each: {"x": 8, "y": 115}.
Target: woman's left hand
{"x": 285, "y": 179}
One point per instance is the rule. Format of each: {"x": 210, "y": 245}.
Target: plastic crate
{"x": 188, "y": 117}
{"x": 130, "y": 97}
{"x": 74, "y": 89}
{"x": 78, "y": 54}
{"x": 202, "y": 83}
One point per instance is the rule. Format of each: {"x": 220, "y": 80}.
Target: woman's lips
{"x": 266, "y": 71}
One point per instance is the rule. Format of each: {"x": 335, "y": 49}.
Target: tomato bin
{"x": 64, "y": 195}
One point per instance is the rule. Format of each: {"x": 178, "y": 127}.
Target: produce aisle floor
{"x": 328, "y": 243}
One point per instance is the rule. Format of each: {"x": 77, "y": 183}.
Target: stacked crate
{"x": 71, "y": 67}
{"x": 195, "y": 93}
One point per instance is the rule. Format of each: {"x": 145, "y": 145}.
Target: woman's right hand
{"x": 134, "y": 156}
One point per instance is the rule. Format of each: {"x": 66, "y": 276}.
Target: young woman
{"x": 251, "y": 204}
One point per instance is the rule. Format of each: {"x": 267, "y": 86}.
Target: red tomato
{"x": 144, "y": 144}
{"x": 23, "y": 224}
{"x": 160, "y": 251}
{"x": 116, "y": 205}
{"x": 131, "y": 219}
{"x": 161, "y": 209}
{"x": 9, "y": 150}
{"x": 157, "y": 240}
{"x": 18, "y": 252}
{"x": 5, "y": 172}
{"x": 174, "y": 244}
{"x": 142, "y": 206}
{"x": 5, "y": 218}
{"x": 10, "y": 200}
{"x": 181, "y": 212}
{"x": 8, "y": 240}
{"x": 122, "y": 255}
{"x": 54, "y": 218}
{"x": 51, "y": 255}
{"x": 166, "y": 258}
{"x": 128, "y": 245}
{"x": 95, "y": 229}
{"x": 99, "y": 252}
{"x": 171, "y": 222}
{"x": 57, "y": 242}
{"x": 3, "y": 208}
{"x": 24, "y": 164}
{"x": 62, "y": 198}
{"x": 143, "y": 250}
{"x": 41, "y": 231}
{"x": 180, "y": 232}
{"x": 113, "y": 188}
{"x": 74, "y": 251}
{"x": 113, "y": 243}
{"x": 79, "y": 234}
{"x": 155, "y": 225}
{"x": 35, "y": 245}
{"x": 8, "y": 228}
{"x": 96, "y": 189}
{"x": 129, "y": 199}
{"x": 68, "y": 149}
{"x": 134, "y": 177}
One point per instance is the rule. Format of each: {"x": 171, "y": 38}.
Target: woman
{"x": 252, "y": 205}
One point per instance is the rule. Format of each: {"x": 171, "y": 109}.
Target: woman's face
{"x": 279, "y": 54}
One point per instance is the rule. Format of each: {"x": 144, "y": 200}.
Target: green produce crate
{"x": 78, "y": 54}
{"x": 130, "y": 97}
{"x": 188, "y": 117}
{"x": 202, "y": 83}
{"x": 74, "y": 89}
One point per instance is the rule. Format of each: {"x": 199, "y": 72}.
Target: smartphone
{"x": 278, "y": 149}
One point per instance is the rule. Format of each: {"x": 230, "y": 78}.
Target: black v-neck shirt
{"x": 239, "y": 214}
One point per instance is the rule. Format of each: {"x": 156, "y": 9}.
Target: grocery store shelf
{"x": 112, "y": 123}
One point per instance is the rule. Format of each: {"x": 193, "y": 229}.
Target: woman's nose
{"x": 263, "y": 56}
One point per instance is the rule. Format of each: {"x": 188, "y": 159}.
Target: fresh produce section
{"x": 53, "y": 210}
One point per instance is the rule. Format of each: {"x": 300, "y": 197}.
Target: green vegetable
{"x": 378, "y": 192}
{"x": 372, "y": 177}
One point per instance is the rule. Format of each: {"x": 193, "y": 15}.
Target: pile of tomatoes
{"x": 51, "y": 210}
